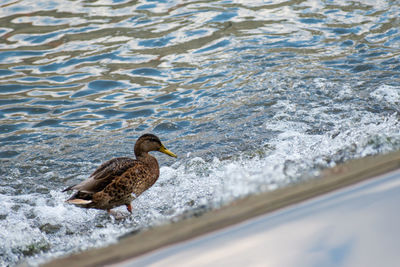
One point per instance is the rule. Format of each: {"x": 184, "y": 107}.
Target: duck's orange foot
{"x": 129, "y": 208}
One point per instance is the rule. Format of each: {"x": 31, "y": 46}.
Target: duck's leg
{"x": 117, "y": 215}
{"x": 129, "y": 207}
{"x": 112, "y": 213}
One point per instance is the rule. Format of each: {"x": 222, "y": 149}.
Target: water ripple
{"x": 288, "y": 86}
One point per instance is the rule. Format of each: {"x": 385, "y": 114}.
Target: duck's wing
{"x": 104, "y": 175}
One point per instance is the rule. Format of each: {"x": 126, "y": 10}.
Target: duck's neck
{"x": 151, "y": 162}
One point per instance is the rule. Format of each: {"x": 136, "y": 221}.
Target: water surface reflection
{"x": 251, "y": 96}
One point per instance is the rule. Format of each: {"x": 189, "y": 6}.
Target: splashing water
{"x": 251, "y": 96}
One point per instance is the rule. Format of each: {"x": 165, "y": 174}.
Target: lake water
{"x": 251, "y": 95}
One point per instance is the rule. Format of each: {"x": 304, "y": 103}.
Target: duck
{"x": 120, "y": 180}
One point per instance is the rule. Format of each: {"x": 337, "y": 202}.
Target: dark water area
{"x": 251, "y": 96}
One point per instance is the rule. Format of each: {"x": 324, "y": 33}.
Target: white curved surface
{"x": 355, "y": 226}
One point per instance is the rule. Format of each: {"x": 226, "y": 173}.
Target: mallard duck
{"x": 120, "y": 180}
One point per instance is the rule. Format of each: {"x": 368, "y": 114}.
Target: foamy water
{"x": 251, "y": 97}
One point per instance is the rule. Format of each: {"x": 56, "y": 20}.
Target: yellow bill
{"x": 164, "y": 150}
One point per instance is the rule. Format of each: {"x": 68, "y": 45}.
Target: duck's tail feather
{"x": 78, "y": 201}
{"x": 68, "y": 188}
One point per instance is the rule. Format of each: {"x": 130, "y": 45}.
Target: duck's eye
{"x": 155, "y": 140}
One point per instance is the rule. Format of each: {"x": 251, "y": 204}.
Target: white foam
{"x": 387, "y": 93}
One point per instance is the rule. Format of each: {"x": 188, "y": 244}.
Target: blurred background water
{"x": 251, "y": 95}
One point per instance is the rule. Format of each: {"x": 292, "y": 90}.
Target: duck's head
{"x": 150, "y": 142}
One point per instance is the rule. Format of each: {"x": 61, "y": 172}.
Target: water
{"x": 251, "y": 96}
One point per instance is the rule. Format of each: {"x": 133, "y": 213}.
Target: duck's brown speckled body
{"x": 120, "y": 180}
